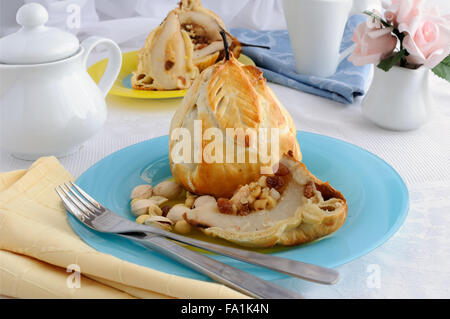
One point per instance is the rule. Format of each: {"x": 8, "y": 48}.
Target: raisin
{"x": 276, "y": 182}
{"x": 327, "y": 192}
{"x": 169, "y": 64}
{"x": 244, "y": 209}
{"x": 225, "y": 206}
{"x": 282, "y": 170}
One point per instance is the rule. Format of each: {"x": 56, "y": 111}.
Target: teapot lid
{"x": 34, "y": 42}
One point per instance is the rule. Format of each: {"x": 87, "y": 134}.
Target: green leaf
{"x": 442, "y": 70}
{"x": 388, "y": 63}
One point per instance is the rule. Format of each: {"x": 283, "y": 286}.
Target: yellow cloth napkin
{"x": 37, "y": 245}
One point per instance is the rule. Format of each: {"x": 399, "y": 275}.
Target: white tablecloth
{"x": 414, "y": 263}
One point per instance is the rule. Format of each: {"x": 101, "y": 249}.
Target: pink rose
{"x": 427, "y": 39}
{"x": 402, "y": 12}
{"x": 372, "y": 44}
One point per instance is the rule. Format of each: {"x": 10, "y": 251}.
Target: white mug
{"x": 315, "y": 29}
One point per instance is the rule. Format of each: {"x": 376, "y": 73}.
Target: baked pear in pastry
{"x": 289, "y": 208}
{"x": 165, "y": 62}
{"x": 186, "y": 42}
{"x": 229, "y": 95}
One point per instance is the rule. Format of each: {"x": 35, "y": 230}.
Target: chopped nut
{"x": 271, "y": 202}
{"x": 242, "y": 191}
{"x": 167, "y": 189}
{"x": 264, "y": 193}
{"x": 226, "y": 206}
{"x": 182, "y": 227}
{"x": 262, "y": 181}
{"x": 141, "y": 219}
{"x": 241, "y": 200}
{"x": 260, "y": 204}
{"x": 255, "y": 191}
{"x": 274, "y": 193}
{"x": 252, "y": 185}
{"x": 142, "y": 192}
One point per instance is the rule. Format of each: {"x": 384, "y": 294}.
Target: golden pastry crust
{"x": 225, "y": 96}
{"x": 303, "y": 221}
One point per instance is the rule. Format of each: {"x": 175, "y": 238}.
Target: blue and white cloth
{"x": 278, "y": 64}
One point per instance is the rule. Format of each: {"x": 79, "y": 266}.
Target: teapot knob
{"x": 32, "y": 15}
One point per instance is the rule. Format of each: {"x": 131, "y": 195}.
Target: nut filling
{"x": 196, "y": 33}
{"x": 256, "y": 196}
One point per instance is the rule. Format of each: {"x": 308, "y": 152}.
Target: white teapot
{"x": 49, "y": 105}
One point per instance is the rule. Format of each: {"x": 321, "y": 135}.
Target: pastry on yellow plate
{"x": 186, "y": 42}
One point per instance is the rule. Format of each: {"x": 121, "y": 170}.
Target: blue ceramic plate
{"x": 377, "y": 199}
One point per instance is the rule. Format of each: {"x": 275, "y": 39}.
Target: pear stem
{"x": 255, "y": 46}
{"x": 225, "y": 44}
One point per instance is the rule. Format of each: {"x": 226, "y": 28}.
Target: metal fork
{"x": 89, "y": 214}
{"x": 111, "y": 222}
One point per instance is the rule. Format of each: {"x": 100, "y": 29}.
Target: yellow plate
{"x": 122, "y": 85}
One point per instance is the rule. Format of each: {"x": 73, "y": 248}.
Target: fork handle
{"x": 298, "y": 269}
{"x": 232, "y": 277}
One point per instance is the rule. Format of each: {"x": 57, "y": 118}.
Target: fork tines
{"x": 77, "y": 201}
